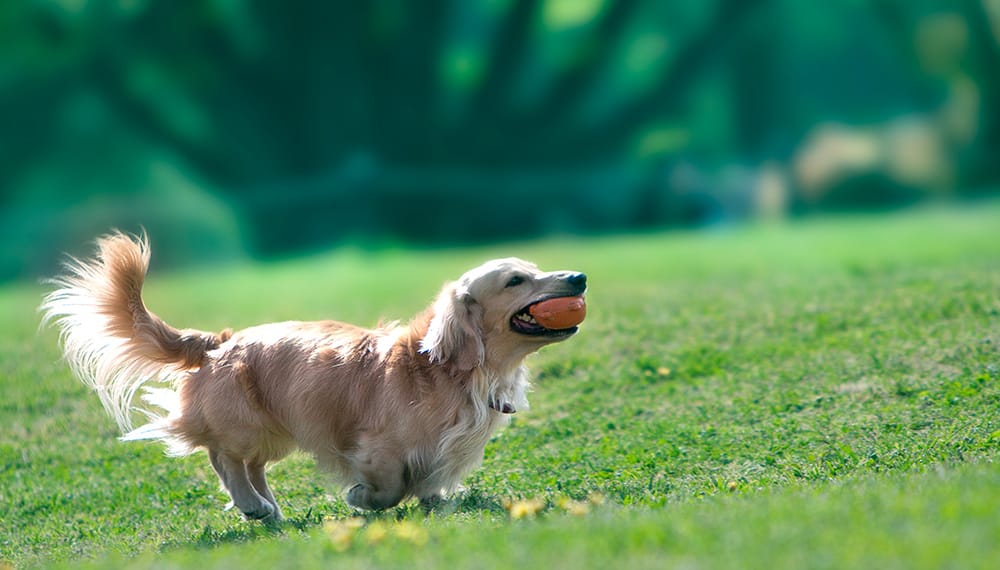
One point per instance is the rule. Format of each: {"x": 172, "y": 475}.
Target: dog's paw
{"x": 431, "y": 502}
{"x": 357, "y": 496}
{"x": 264, "y": 513}
{"x": 361, "y": 496}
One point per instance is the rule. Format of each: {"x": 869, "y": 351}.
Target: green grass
{"x": 824, "y": 394}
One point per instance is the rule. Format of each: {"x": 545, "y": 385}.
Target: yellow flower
{"x": 376, "y": 533}
{"x": 523, "y": 509}
{"x": 411, "y": 532}
{"x": 575, "y": 508}
{"x": 595, "y": 499}
{"x": 340, "y": 537}
{"x": 341, "y": 533}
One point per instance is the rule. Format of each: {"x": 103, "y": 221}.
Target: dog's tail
{"x": 111, "y": 341}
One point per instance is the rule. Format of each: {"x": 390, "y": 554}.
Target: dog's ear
{"x": 455, "y": 332}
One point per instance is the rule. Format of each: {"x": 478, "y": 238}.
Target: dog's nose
{"x": 577, "y": 279}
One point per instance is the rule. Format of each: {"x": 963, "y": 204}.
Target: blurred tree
{"x": 984, "y": 30}
{"x": 442, "y": 119}
{"x": 268, "y": 101}
{"x": 953, "y": 49}
{"x": 260, "y": 91}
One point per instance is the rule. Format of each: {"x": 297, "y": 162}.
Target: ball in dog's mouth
{"x": 553, "y": 316}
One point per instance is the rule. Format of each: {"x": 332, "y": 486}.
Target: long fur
{"x": 111, "y": 341}
{"x": 397, "y": 411}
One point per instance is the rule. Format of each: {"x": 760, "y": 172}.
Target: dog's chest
{"x": 460, "y": 448}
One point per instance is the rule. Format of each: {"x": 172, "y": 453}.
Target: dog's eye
{"x": 515, "y": 281}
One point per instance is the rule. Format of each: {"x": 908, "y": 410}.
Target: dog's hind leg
{"x": 258, "y": 478}
{"x": 236, "y": 480}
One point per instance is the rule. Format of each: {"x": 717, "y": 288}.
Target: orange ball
{"x": 560, "y": 313}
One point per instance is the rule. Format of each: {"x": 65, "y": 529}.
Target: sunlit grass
{"x": 803, "y": 395}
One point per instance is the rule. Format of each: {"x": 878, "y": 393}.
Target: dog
{"x": 394, "y": 412}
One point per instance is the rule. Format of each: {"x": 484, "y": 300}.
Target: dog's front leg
{"x": 370, "y": 498}
{"x": 382, "y": 483}
{"x": 431, "y": 502}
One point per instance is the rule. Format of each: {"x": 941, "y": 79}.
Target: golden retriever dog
{"x": 394, "y": 412}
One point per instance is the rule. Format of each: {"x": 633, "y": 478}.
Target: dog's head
{"x": 484, "y": 317}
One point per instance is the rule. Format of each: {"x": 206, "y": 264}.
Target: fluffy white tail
{"x": 111, "y": 341}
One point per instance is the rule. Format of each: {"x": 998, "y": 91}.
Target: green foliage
{"x": 320, "y": 122}
{"x": 819, "y": 395}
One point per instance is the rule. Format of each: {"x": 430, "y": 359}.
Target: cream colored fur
{"x": 394, "y": 412}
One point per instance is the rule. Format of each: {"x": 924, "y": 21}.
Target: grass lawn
{"x": 823, "y": 395}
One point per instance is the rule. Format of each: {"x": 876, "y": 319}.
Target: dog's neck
{"x": 499, "y": 383}
{"x": 503, "y": 392}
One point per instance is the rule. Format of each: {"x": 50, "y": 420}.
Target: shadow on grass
{"x": 211, "y": 537}
{"x": 468, "y": 502}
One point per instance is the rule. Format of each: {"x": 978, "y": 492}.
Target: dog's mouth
{"x": 524, "y": 323}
